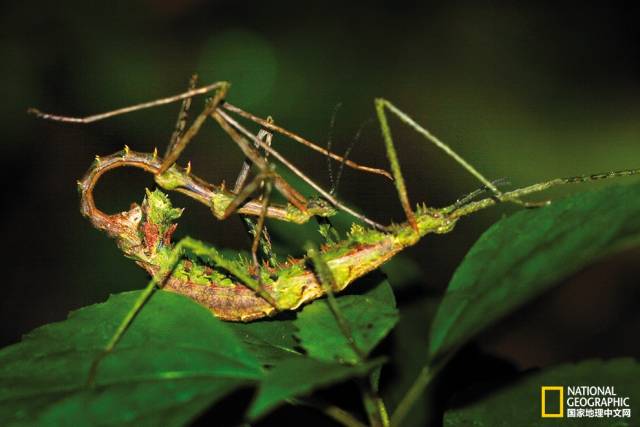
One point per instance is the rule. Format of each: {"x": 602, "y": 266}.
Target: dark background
{"x": 526, "y": 91}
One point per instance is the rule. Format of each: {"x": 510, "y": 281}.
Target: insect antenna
{"x": 181, "y": 122}
{"x": 329, "y": 232}
{"x": 272, "y": 127}
{"x": 332, "y": 125}
{"x": 232, "y": 127}
{"x": 467, "y": 198}
{"x": 536, "y": 188}
{"x": 345, "y": 156}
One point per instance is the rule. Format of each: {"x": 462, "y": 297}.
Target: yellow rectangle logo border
{"x": 543, "y": 391}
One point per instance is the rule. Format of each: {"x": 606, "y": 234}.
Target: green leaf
{"x": 269, "y": 340}
{"x": 370, "y": 317}
{"x": 300, "y": 375}
{"x": 521, "y": 256}
{"x": 519, "y": 404}
{"x": 174, "y": 361}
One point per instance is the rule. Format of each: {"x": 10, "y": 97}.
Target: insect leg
{"x": 259, "y": 161}
{"x": 207, "y": 252}
{"x": 263, "y": 135}
{"x": 233, "y": 128}
{"x": 381, "y": 104}
{"x": 129, "y": 109}
{"x": 259, "y": 233}
{"x": 395, "y": 165}
{"x": 261, "y": 236}
{"x": 274, "y": 128}
{"x": 158, "y": 281}
{"x": 124, "y": 324}
{"x": 181, "y": 143}
{"x": 374, "y": 405}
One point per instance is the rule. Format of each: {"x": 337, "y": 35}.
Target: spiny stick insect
{"x": 243, "y": 291}
{"x": 222, "y": 202}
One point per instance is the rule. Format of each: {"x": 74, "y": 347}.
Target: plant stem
{"x": 374, "y": 405}
{"x": 428, "y": 372}
{"x": 332, "y": 411}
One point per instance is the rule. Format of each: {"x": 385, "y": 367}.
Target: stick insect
{"x": 237, "y": 290}
{"x": 221, "y": 201}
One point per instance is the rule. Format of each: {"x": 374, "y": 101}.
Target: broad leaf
{"x": 370, "y": 317}
{"x": 269, "y": 340}
{"x": 174, "y": 361}
{"x": 521, "y": 256}
{"x": 300, "y": 375}
{"x": 519, "y": 404}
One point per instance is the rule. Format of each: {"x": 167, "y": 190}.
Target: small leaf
{"x": 174, "y": 361}
{"x": 519, "y": 404}
{"x": 370, "y": 317}
{"x": 521, "y": 256}
{"x": 268, "y": 340}
{"x": 300, "y": 375}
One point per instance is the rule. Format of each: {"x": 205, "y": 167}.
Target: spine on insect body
{"x": 181, "y": 180}
{"x": 294, "y": 282}
{"x": 144, "y": 233}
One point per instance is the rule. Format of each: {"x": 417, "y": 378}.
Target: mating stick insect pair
{"x": 242, "y": 290}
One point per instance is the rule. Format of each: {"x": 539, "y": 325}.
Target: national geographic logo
{"x": 583, "y": 402}
{"x": 552, "y": 401}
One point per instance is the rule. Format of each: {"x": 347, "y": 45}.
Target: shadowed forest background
{"x": 524, "y": 92}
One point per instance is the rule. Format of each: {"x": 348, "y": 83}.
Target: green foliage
{"x": 174, "y": 362}
{"x": 518, "y": 403}
{"x": 270, "y": 341}
{"x": 525, "y": 254}
{"x": 370, "y": 317}
{"x": 299, "y": 375}
{"x": 174, "y": 352}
